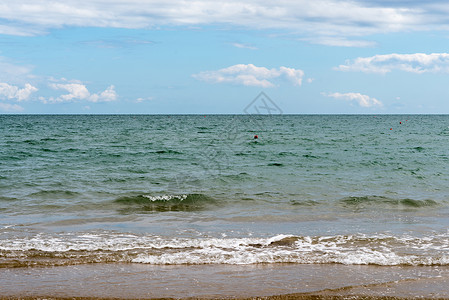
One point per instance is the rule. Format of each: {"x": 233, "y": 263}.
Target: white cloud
{"x": 244, "y": 46}
{"x": 21, "y": 30}
{"x": 328, "y": 18}
{"x": 339, "y": 42}
{"x": 7, "y": 107}
{"x": 13, "y": 76}
{"x": 107, "y": 95}
{"x": 140, "y": 100}
{"x": 251, "y": 75}
{"x": 414, "y": 63}
{"x": 78, "y": 91}
{"x": 360, "y": 99}
{"x": 10, "y": 92}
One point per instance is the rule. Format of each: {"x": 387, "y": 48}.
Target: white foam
{"x": 359, "y": 249}
{"x": 165, "y": 197}
{"x": 7, "y": 226}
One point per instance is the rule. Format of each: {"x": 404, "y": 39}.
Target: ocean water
{"x": 194, "y": 190}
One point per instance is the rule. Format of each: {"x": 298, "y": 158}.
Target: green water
{"x": 201, "y": 189}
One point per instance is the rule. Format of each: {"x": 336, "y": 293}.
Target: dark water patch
{"x": 275, "y": 164}
{"x": 115, "y": 179}
{"x": 49, "y": 139}
{"x": 113, "y": 155}
{"x": 255, "y": 143}
{"x": 306, "y": 203}
{"x": 244, "y": 154}
{"x": 161, "y": 203}
{"x": 268, "y": 194}
{"x": 72, "y": 150}
{"x": 445, "y": 131}
{"x": 287, "y": 153}
{"x": 48, "y": 150}
{"x": 418, "y": 149}
{"x": 374, "y": 163}
{"x": 415, "y": 171}
{"x": 370, "y": 201}
{"x": 167, "y": 152}
{"x": 55, "y": 194}
{"x": 203, "y": 129}
{"x": 119, "y": 146}
{"x": 7, "y": 199}
{"x": 418, "y": 203}
{"x": 32, "y": 142}
{"x": 12, "y": 157}
{"x": 137, "y": 171}
{"x": 310, "y": 156}
{"x": 240, "y": 176}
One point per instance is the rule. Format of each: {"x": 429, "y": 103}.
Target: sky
{"x": 212, "y": 57}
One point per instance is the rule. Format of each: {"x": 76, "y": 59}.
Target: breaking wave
{"x": 106, "y": 247}
{"x": 182, "y": 202}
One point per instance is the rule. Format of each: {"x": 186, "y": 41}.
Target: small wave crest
{"x": 182, "y": 202}
{"x": 383, "y": 250}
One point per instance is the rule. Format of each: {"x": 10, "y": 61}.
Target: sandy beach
{"x": 280, "y": 281}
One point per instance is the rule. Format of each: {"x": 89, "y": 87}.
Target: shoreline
{"x": 324, "y": 295}
{"x": 277, "y": 297}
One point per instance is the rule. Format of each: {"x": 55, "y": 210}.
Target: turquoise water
{"x": 153, "y": 189}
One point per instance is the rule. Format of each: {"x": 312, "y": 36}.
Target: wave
{"x": 70, "y": 249}
{"x": 304, "y": 203}
{"x": 182, "y": 202}
{"x": 7, "y": 199}
{"x": 55, "y": 194}
{"x": 367, "y": 201}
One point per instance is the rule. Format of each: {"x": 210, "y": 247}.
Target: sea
{"x": 230, "y": 194}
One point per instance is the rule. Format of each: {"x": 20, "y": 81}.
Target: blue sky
{"x": 183, "y": 57}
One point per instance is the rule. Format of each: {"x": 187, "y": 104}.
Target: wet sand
{"x": 278, "y": 281}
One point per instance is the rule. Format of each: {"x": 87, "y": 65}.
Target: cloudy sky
{"x": 175, "y": 56}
